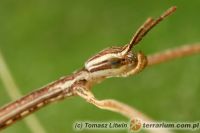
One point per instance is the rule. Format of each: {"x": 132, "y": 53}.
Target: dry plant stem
{"x": 32, "y": 122}
{"x": 170, "y": 54}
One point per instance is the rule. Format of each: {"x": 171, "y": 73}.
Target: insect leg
{"x": 109, "y": 104}
{"x": 116, "y": 106}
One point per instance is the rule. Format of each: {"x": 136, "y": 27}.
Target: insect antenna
{"x": 147, "y": 26}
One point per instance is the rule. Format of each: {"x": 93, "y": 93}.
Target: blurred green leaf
{"x": 43, "y": 40}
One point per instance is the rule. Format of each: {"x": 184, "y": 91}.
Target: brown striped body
{"x": 37, "y": 99}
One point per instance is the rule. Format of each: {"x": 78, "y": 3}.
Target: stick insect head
{"x": 114, "y": 61}
{"x": 121, "y": 61}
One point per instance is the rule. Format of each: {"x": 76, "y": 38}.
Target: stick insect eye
{"x": 115, "y": 62}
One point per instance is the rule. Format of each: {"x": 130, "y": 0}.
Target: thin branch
{"x": 170, "y": 54}
{"x": 32, "y": 121}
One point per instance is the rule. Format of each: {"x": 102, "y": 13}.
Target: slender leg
{"x": 116, "y": 106}
{"x": 110, "y": 104}
{"x": 170, "y": 54}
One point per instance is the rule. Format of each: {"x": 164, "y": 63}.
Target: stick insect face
{"x": 120, "y": 61}
{"x": 114, "y": 61}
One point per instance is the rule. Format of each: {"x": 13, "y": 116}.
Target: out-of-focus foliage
{"x": 42, "y": 40}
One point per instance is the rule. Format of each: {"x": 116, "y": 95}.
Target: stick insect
{"x": 111, "y": 62}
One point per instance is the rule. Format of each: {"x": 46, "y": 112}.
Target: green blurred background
{"x": 42, "y": 40}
